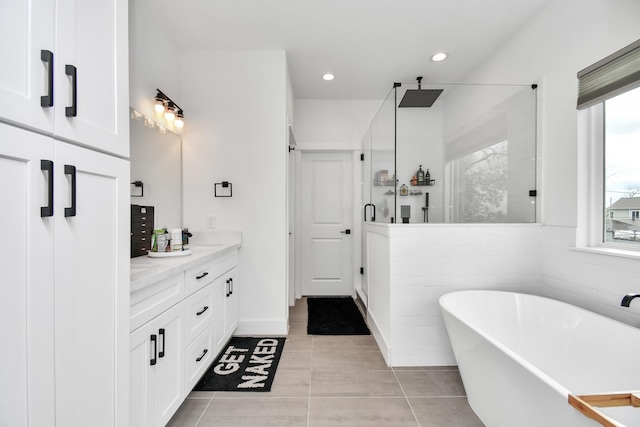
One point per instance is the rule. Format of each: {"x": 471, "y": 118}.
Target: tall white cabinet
{"x": 64, "y": 275}
{"x": 65, "y": 70}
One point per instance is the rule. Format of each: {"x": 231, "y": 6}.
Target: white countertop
{"x": 146, "y": 270}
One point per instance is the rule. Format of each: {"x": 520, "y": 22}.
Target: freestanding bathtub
{"x": 520, "y": 356}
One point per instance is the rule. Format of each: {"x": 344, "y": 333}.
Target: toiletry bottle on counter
{"x": 176, "y": 239}
{"x": 159, "y": 241}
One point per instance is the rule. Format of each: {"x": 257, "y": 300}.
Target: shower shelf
{"x": 429, "y": 183}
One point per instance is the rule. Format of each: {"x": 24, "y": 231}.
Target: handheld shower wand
{"x": 425, "y": 209}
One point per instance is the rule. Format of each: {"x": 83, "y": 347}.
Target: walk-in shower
{"x": 462, "y": 153}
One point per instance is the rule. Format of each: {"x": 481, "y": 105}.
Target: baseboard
{"x": 377, "y": 335}
{"x": 361, "y": 306}
{"x": 262, "y": 327}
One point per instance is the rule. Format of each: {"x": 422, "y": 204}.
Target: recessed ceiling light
{"x": 440, "y": 56}
{"x": 328, "y": 76}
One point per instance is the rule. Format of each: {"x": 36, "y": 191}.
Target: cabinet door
{"x": 92, "y": 36}
{"x": 26, "y": 290}
{"x": 91, "y": 287}
{"x": 143, "y": 356}
{"x": 231, "y": 303}
{"x": 169, "y": 371}
{"x": 219, "y": 299}
{"x": 26, "y": 28}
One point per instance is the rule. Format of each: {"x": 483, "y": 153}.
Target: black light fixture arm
{"x": 161, "y": 95}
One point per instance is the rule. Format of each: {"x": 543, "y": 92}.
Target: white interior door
{"x": 326, "y": 217}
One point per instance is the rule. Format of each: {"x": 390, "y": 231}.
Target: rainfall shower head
{"x": 420, "y": 98}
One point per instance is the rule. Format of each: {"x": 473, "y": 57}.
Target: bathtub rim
{"x": 445, "y": 305}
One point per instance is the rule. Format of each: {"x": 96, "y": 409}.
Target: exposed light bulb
{"x": 159, "y": 106}
{"x": 179, "y": 122}
{"x": 328, "y": 76}
{"x": 170, "y": 114}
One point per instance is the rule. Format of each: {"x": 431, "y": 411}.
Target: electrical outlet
{"x": 211, "y": 221}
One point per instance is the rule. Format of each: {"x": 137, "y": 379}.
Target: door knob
{"x": 347, "y": 231}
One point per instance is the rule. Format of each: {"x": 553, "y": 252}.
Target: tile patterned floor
{"x": 331, "y": 381}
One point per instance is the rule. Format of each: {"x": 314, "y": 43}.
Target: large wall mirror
{"x": 156, "y": 164}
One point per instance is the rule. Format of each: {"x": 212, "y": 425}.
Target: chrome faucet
{"x": 627, "y": 299}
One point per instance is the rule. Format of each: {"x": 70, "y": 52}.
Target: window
{"x": 481, "y": 184}
{"x": 610, "y": 89}
{"x": 621, "y": 151}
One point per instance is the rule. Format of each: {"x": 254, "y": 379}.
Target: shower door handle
{"x": 373, "y": 215}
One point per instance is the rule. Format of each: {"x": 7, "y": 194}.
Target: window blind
{"x": 611, "y": 76}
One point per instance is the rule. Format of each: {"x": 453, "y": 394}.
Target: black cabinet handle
{"x": 231, "y": 286}
{"x": 206, "y": 307}
{"x": 71, "y": 170}
{"x": 206, "y": 273}
{"x": 72, "y": 72}
{"x": 47, "y": 165}
{"x": 205, "y": 351}
{"x": 46, "y": 56}
{"x": 228, "y": 288}
{"x": 161, "y": 333}
{"x": 154, "y": 359}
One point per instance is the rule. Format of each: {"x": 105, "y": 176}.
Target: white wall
{"x": 333, "y": 123}
{"x": 237, "y": 132}
{"x": 566, "y": 37}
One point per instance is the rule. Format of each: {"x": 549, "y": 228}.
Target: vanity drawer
{"x": 152, "y": 300}
{"x": 198, "y": 357}
{"x": 199, "y": 312}
{"x": 200, "y": 276}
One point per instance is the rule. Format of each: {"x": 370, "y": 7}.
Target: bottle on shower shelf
{"x": 427, "y": 178}
{"x": 420, "y": 176}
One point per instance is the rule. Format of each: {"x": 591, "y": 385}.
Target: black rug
{"x": 246, "y": 364}
{"x": 335, "y": 316}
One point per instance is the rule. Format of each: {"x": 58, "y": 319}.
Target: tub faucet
{"x": 627, "y": 299}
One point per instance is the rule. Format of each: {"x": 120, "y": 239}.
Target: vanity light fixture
{"x": 328, "y": 76}
{"x": 440, "y": 56}
{"x": 179, "y": 121}
{"x": 170, "y": 113}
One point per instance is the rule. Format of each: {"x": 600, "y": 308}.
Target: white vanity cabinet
{"x": 191, "y": 296}
{"x": 156, "y": 360}
{"x": 65, "y": 70}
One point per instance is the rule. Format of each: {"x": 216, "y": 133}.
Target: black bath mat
{"x": 246, "y": 364}
{"x": 335, "y": 316}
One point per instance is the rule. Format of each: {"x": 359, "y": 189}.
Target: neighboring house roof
{"x": 626, "y": 203}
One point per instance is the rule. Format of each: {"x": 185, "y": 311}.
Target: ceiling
{"x": 367, "y": 44}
